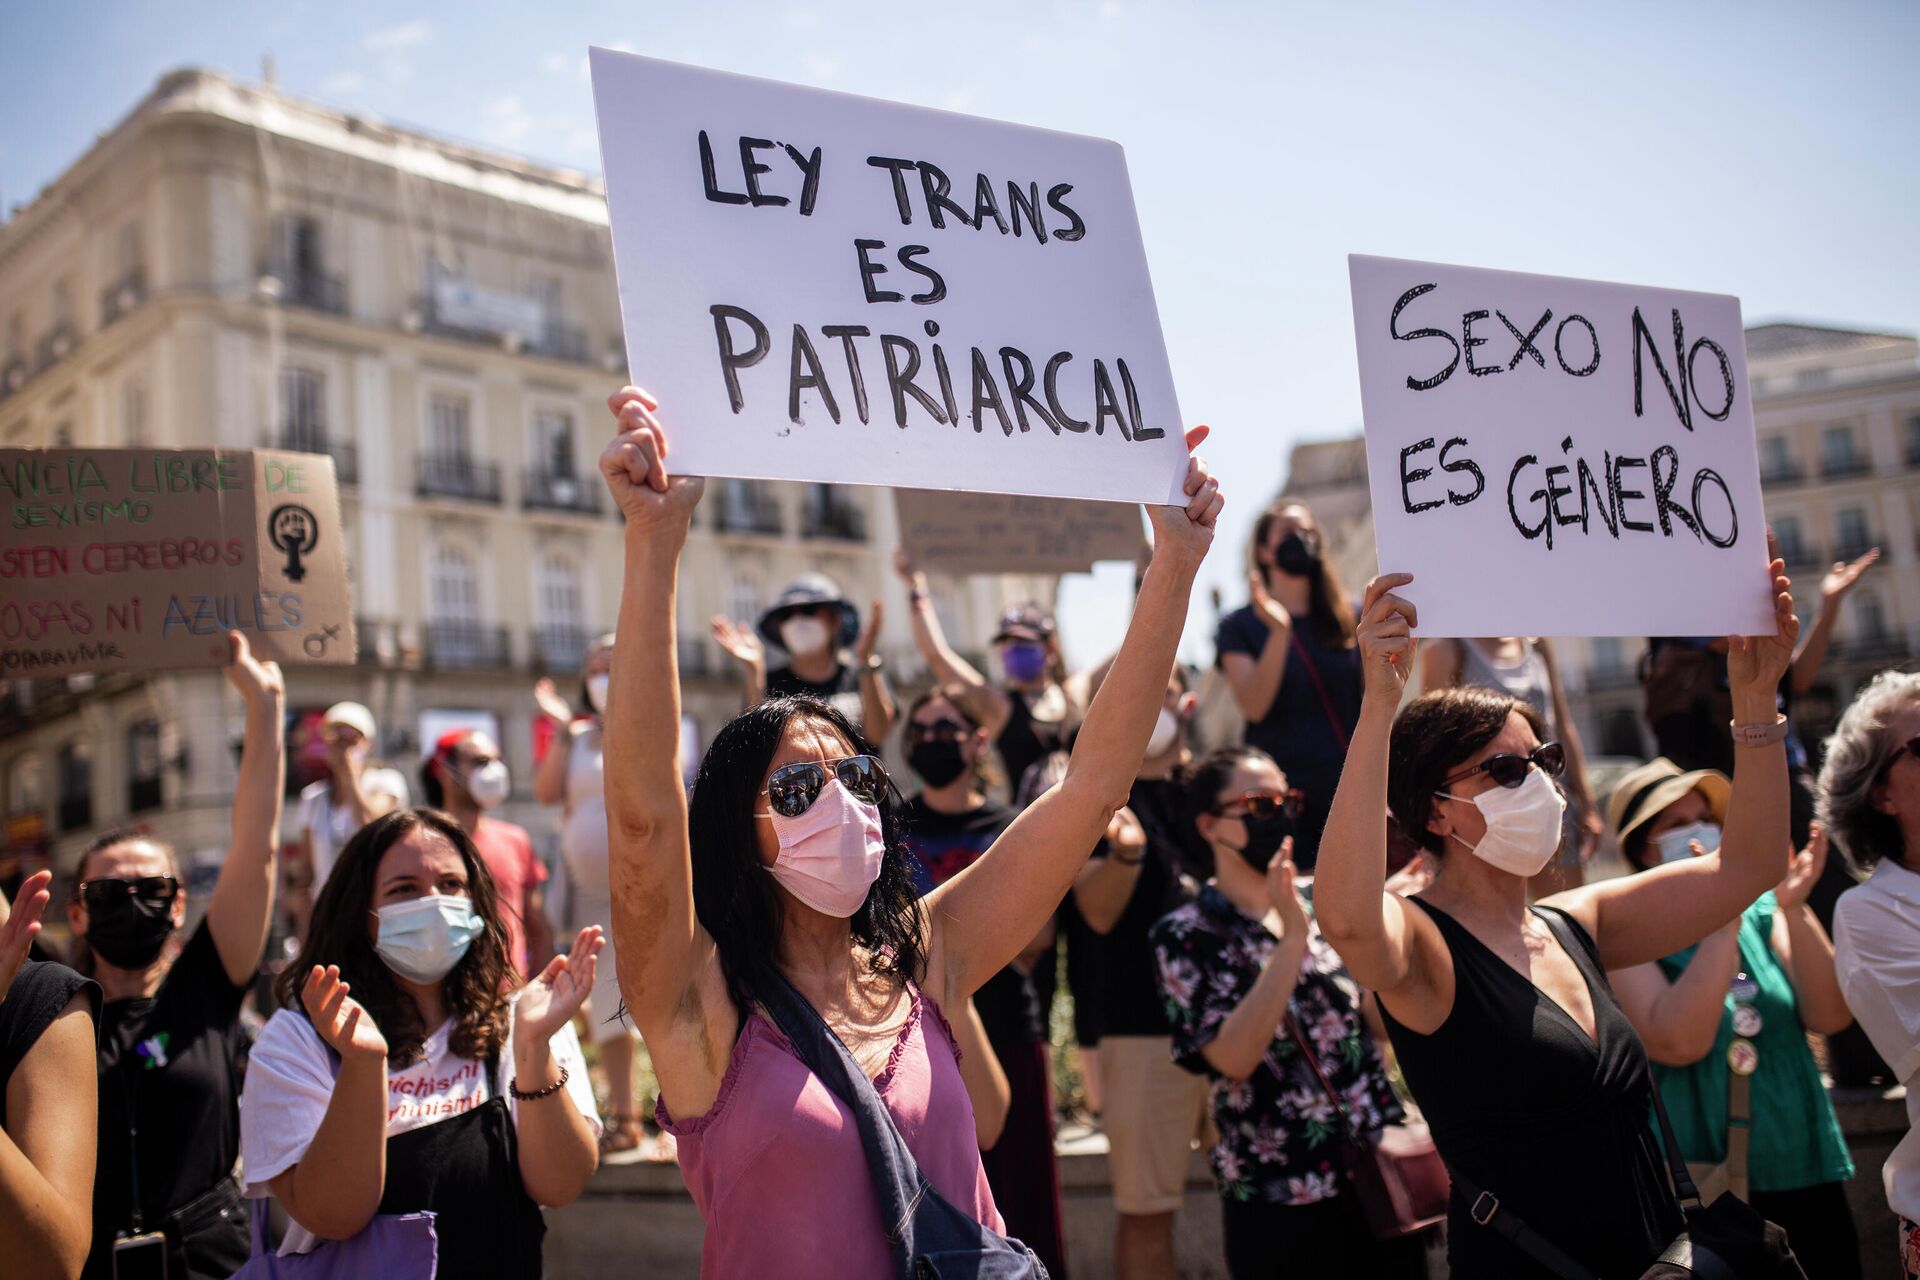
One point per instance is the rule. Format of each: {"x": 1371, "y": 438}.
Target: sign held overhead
{"x": 823, "y": 287}
{"x": 1560, "y": 457}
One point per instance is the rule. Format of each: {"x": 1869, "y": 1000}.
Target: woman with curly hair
{"x": 405, "y": 1075}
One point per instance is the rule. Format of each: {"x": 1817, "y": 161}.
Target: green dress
{"x": 1796, "y": 1138}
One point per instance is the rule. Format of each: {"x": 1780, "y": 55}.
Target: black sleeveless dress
{"x": 1555, "y": 1124}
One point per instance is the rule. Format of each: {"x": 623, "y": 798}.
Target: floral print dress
{"x": 1279, "y": 1132}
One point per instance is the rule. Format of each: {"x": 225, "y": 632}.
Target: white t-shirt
{"x": 290, "y": 1076}
{"x": 1876, "y": 957}
{"x": 330, "y": 826}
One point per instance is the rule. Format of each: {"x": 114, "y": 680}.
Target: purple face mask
{"x": 1024, "y": 661}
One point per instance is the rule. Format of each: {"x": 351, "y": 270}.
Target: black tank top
{"x": 39, "y": 993}
{"x": 1024, "y": 740}
{"x": 1555, "y": 1124}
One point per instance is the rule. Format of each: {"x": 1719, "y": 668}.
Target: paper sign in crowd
{"x": 824, "y": 287}
{"x": 139, "y": 559}
{"x": 966, "y": 533}
{"x": 1560, "y": 457}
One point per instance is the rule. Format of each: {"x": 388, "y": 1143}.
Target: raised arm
{"x": 983, "y": 916}
{"x": 1383, "y": 940}
{"x": 1255, "y": 681}
{"x": 242, "y": 907}
{"x": 1639, "y": 918}
{"x": 1592, "y": 822}
{"x": 1833, "y": 589}
{"x": 1680, "y": 1019}
{"x": 550, "y": 775}
{"x": 739, "y": 642}
{"x": 558, "y": 1147}
{"x": 877, "y": 707}
{"x": 668, "y": 969}
{"x": 1803, "y": 945}
{"x": 989, "y": 707}
{"x": 1245, "y": 1035}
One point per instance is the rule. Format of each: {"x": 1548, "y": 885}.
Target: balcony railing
{"x": 373, "y": 635}
{"x": 1799, "y": 555}
{"x": 837, "y": 521}
{"x": 752, "y": 510}
{"x": 346, "y": 457}
{"x": 314, "y": 290}
{"x": 555, "y": 341}
{"x": 54, "y": 346}
{"x": 562, "y": 342}
{"x": 467, "y": 646}
{"x": 1841, "y": 468}
{"x": 122, "y": 296}
{"x": 455, "y": 476}
{"x": 1853, "y": 549}
{"x": 560, "y": 648}
{"x": 1783, "y": 474}
{"x": 543, "y": 490}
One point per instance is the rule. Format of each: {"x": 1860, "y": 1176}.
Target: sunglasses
{"x": 792, "y": 788}
{"x": 1911, "y": 747}
{"x": 1262, "y": 805}
{"x": 1511, "y": 770}
{"x": 152, "y": 892}
{"x": 938, "y": 731}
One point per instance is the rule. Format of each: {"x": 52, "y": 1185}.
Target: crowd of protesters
{"x": 1356, "y": 948}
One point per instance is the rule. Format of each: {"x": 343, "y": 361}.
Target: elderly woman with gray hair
{"x": 1869, "y": 801}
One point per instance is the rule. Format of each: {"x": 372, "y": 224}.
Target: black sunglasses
{"x": 152, "y": 892}
{"x": 1262, "y": 805}
{"x": 938, "y": 731}
{"x": 1911, "y": 747}
{"x": 1511, "y": 770}
{"x": 792, "y": 788}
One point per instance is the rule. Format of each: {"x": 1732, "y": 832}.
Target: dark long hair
{"x": 1329, "y": 611}
{"x": 1433, "y": 737}
{"x": 734, "y": 896}
{"x": 476, "y": 989}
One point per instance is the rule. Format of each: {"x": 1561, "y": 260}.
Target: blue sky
{"x": 1761, "y": 149}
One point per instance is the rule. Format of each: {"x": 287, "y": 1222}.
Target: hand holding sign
{"x": 1385, "y": 636}
{"x": 1187, "y": 532}
{"x": 635, "y": 468}
{"x": 260, "y": 683}
{"x": 1755, "y": 664}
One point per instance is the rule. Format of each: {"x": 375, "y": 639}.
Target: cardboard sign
{"x": 823, "y": 287}
{"x": 139, "y": 559}
{"x": 1005, "y": 533}
{"x": 1560, "y": 457}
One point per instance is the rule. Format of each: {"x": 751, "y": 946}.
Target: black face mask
{"x": 125, "y": 934}
{"x": 1264, "y": 838}
{"x": 938, "y": 763}
{"x": 1297, "y": 554}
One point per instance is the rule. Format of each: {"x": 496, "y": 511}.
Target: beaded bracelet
{"x": 513, "y": 1087}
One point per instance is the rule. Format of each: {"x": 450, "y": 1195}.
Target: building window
{"x": 126, "y": 250}
{"x": 1776, "y": 463}
{"x": 26, "y": 786}
{"x": 1607, "y": 656}
{"x": 1851, "y": 532}
{"x": 1913, "y": 440}
{"x": 296, "y": 246}
{"x": 1839, "y": 455}
{"x": 448, "y": 433}
{"x": 561, "y": 638}
{"x": 303, "y": 410}
{"x": 745, "y": 599}
{"x": 456, "y": 590}
{"x": 1792, "y": 539}
{"x": 143, "y": 765}
{"x": 1870, "y": 616}
{"x": 62, "y": 302}
{"x": 73, "y": 776}
{"x": 1620, "y": 733}
{"x": 553, "y": 436}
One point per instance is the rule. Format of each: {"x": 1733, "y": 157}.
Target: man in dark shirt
{"x": 1153, "y": 1110}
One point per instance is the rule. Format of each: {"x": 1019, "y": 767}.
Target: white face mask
{"x": 802, "y": 636}
{"x": 597, "y": 692}
{"x": 489, "y": 784}
{"x": 423, "y": 939}
{"x": 1166, "y": 732}
{"x": 1673, "y": 844}
{"x": 1523, "y": 824}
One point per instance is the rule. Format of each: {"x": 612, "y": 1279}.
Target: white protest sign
{"x": 824, "y": 287}
{"x": 1560, "y": 457}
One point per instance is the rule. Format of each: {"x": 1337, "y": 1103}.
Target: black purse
{"x": 927, "y": 1237}
{"x": 1725, "y": 1240}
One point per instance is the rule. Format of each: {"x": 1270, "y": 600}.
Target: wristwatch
{"x": 1759, "y": 735}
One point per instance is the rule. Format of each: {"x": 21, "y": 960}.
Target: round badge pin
{"x": 1744, "y": 988}
{"x": 1746, "y": 1021}
{"x": 1743, "y": 1059}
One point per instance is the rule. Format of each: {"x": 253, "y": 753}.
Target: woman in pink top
{"x": 788, "y": 862}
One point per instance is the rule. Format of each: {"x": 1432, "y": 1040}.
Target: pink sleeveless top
{"x": 777, "y": 1170}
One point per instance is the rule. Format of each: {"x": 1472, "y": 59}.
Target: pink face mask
{"x": 830, "y": 855}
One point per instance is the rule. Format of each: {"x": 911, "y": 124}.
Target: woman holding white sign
{"x": 781, "y": 894}
{"x": 1533, "y": 1080}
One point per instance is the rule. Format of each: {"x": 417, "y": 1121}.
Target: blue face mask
{"x": 423, "y": 939}
{"x": 1024, "y": 661}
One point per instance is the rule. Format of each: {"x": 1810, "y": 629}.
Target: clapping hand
{"x": 556, "y": 995}
{"x": 17, "y": 934}
{"x": 1269, "y": 610}
{"x": 1803, "y": 871}
{"x": 554, "y": 707}
{"x": 1283, "y": 895}
{"x": 342, "y": 1022}
{"x": 739, "y": 641}
{"x": 869, "y": 635}
{"x": 1843, "y": 575}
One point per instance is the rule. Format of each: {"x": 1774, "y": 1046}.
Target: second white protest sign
{"x": 1560, "y": 457}
{"x": 823, "y": 287}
